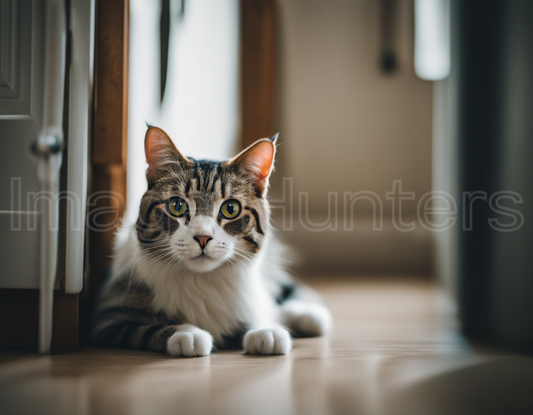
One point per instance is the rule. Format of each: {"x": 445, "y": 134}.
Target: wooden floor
{"x": 394, "y": 350}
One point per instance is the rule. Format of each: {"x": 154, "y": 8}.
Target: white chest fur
{"x": 222, "y": 301}
{"x": 219, "y": 302}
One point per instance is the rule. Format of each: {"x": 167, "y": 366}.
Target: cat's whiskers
{"x": 278, "y": 257}
{"x": 150, "y": 248}
{"x": 243, "y": 258}
{"x": 244, "y": 254}
{"x": 240, "y": 262}
{"x": 171, "y": 263}
{"x": 164, "y": 260}
{"x": 244, "y": 251}
{"x": 161, "y": 252}
{"x": 159, "y": 258}
{"x": 275, "y": 266}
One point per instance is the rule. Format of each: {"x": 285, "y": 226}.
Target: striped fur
{"x": 168, "y": 293}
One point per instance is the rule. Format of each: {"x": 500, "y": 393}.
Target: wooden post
{"x": 258, "y": 49}
{"x": 110, "y": 134}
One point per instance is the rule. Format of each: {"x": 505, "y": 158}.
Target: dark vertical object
{"x": 164, "y": 34}
{"x": 388, "y": 61}
{"x": 495, "y": 93}
{"x": 108, "y": 160}
{"x": 480, "y": 76}
{"x": 258, "y": 52}
{"x": 111, "y": 82}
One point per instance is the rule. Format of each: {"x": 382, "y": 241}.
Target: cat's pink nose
{"x": 203, "y": 240}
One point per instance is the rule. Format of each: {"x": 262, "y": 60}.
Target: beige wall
{"x": 345, "y": 126}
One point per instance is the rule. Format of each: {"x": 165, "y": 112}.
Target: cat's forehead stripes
{"x": 205, "y": 173}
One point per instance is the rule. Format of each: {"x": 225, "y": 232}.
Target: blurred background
{"x": 401, "y": 192}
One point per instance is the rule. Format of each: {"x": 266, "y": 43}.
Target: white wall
{"x": 200, "y": 110}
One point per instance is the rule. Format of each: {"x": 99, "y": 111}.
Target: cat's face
{"x": 202, "y": 214}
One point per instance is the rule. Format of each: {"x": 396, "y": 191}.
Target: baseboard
{"x": 361, "y": 250}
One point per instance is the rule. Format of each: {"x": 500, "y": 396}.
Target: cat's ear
{"x": 257, "y": 162}
{"x": 160, "y": 151}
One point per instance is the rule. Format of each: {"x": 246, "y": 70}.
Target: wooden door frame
{"x": 110, "y": 136}
{"x": 258, "y": 68}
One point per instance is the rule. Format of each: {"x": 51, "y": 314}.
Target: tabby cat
{"x": 194, "y": 273}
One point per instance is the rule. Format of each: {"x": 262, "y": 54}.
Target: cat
{"x": 192, "y": 274}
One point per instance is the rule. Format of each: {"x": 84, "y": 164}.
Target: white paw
{"x": 267, "y": 341}
{"x": 190, "y": 341}
{"x": 307, "y": 319}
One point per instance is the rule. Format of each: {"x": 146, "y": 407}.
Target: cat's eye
{"x": 230, "y": 209}
{"x": 177, "y": 207}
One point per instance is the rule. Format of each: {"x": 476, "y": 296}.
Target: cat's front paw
{"x": 189, "y": 341}
{"x": 267, "y": 341}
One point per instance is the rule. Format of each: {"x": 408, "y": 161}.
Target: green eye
{"x": 176, "y": 206}
{"x": 230, "y": 209}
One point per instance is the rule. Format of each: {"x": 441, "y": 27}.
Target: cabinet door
{"x": 23, "y": 107}
{"x": 21, "y": 95}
